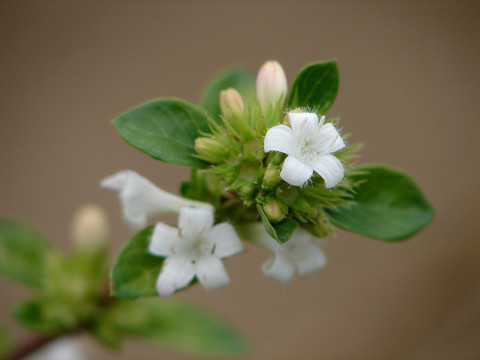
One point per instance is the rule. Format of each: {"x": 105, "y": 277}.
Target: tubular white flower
{"x": 140, "y": 198}
{"x": 309, "y": 144}
{"x": 301, "y": 253}
{"x": 194, "y": 249}
{"x": 271, "y": 84}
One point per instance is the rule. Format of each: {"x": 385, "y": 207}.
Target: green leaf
{"x": 237, "y": 78}
{"x": 165, "y": 129}
{"x": 281, "y": 231}
{"x": 316, "y": 86}
{"x": 135, "y": 271}
{"x": 22, "y": 252}
{"x": 388, "y": 205}
{"x": 179, "y": 325}
{"x": 39, "y": 315}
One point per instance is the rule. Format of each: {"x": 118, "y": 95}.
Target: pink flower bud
{"x": 231, "y": 102}
{"x": 271, "y": 84}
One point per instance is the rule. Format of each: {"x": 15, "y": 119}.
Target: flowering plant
{"x": 268, "y": 166}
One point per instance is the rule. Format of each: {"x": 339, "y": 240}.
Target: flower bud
{"x": 90, "y": 230}
{"x": 247, "y": 191}
{"x": 271, "y": 178}
{"x": 210, "y": 150}
{"x": 274, "y": 209}
{"x": 320, "y": 228}
{"x": 231, "y": 102}
{"x": 271, "y": 84}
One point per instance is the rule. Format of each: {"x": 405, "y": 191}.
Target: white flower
{"x": 300, "y": 253}
{"x": 60, "y": 349}
{"x": 141, "y": 199}
{"x": 194, "y": 249}
{"x": 271, "y": 84}
{"x": 309, "y": 145}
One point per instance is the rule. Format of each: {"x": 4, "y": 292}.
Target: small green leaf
{"x": 39, "y": 315}
{"x": 165, "y": 129}
{"x": 388, "y": 205}
{"x": 281, "y": 231}
{"x": 237, "y": 78}
{"x": 135, "y": 271}
{"x": 316, "y": 87}
{"x": 22, "y": 252}
{"x": 179, "y": 325}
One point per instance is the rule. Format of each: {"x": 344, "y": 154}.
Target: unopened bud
{"x": 271, "y": 178}
{"x": 321, "y": 228}
{"x": 210, "y": 150}
{"x": 271, "y": 84}
{"x": 231, "y": 102}
{"x": 274, "y": 209}
{"x": 247, "y": 191}
{"x": 90, "y": 230}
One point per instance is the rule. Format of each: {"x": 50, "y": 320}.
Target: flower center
{"x": 197, "y": 248}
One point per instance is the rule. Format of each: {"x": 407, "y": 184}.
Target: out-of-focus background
{"x": 410, "y": 75}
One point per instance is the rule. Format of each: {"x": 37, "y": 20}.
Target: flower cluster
{"x": 284, "y": 160}
{"x": 287, "y": 164}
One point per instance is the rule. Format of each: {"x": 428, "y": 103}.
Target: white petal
{"x": 117, "y": 181}
{"x": 303, "y": 122}
{"x": 211, "y": 273}
{"x": 225, "y": 240}
{"x": 141, "y": 199}
{"x": 194, "y": 222}
{"x": 164, "y": 239}
{"x": 279, "y": 138}
{"x": 328, "y": 139}
{"x": 330, "y": 169}
{"x": 295, "y": 172}
{"x": 307, "y": 255}
{"x": 279, "y": 268}
{"x": 176, "y": 273}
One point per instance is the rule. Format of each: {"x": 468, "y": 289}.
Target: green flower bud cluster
{"x": 247, "y": 176}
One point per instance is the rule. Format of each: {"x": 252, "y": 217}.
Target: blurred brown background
{"x": 409, "y": 89}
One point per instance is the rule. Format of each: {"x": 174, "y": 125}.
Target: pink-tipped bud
{"x": 231, "y": 102}
{"x": 274, "y": 209}
{"x": 271, "y": 84}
